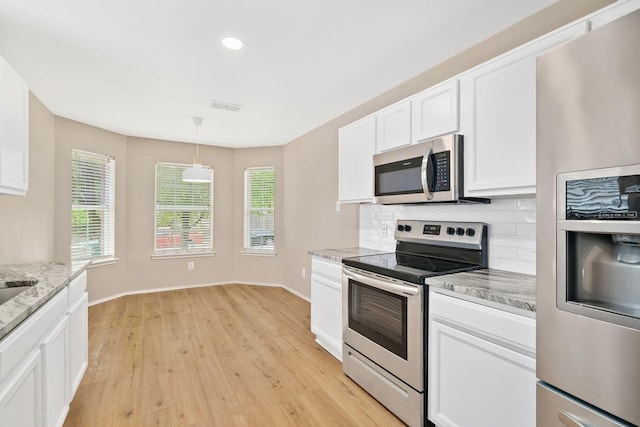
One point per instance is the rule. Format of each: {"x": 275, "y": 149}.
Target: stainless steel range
{"x": 385, "y": 307}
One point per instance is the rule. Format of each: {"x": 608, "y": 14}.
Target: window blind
{"x": 259, "y": 209}
{"x": 183, "y": 212}
{"x": 92, "y": 206}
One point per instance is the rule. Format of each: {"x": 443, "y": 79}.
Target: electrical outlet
{"x": 383, "y": 231}
{"x": 304, "y": 272}
{"x": 338, "y": 206}
{"x": 191, "y": 265}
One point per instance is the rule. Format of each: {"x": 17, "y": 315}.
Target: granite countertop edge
{"x": 52, "y": 278}
{"x": 515, "y": 290}
{"x": 339, "y": 254}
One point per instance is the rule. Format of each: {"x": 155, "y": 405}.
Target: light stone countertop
{"x": 51, "y": 277}
{"x": 498, "y": 288}
{"x": 338, "y": 254}
{"x": 503, "y": 287}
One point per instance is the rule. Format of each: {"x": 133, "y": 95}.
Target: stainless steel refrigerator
{"x": 588, "y": 229}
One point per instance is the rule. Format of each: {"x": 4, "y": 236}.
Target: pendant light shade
{"x": 197, "y": 172}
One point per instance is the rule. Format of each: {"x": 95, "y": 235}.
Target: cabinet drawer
{"x": 15, "y": 346}
{"x": 331, "y": 270}
{"x": 77, "y": 287}
{"x": 503, "y": 328}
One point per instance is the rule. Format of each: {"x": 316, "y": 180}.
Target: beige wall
{"x": 146, "y": 273}
{"x": 307, "y": 188}
{"x": 27, "y": 223}
{"x": 255, "y": 268}
{"x": 311, "y": 161}
{"x": 104, "y": 280}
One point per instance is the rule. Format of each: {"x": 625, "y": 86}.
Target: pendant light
{"x": 197, "y": 172}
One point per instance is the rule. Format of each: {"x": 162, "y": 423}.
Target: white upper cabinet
{"x": 498, "y": 119}
{"x": 14, "y": 131}
{"x": 356, "y": 145}
{"x": 393, "y": 126}
{"x": 620, "y": 9}
{"x": 434, "y": 111}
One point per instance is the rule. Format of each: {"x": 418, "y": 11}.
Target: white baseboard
{"x": 202, "y": 285}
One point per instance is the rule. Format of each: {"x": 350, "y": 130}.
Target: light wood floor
{"x": 232, "y": 355}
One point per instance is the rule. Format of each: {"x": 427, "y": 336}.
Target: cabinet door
{"x": 78, "y": 343}
{"x": 20, "y": 397}
{"x": 393, "y": 126}
{"x": 434, "y": 112}
{"x": 481, "y": 365}
{"x": 326, "y": 305}
{"x": 55, "y": 369}
{"x": 476, "y": 383}
{"x": 356, "y": 145}
{"x": 14, "y": 132}
{"x": 498, "y": 120}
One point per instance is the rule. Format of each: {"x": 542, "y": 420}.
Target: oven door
{"x": 383, "y": 319}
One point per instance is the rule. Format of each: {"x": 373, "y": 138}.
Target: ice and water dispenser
{"x": 598, "y": 244}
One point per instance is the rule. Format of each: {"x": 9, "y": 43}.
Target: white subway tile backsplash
{"x": 526, "y": 230}
{"x": 512, "y": 229}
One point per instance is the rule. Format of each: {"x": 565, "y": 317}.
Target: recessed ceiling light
{"x": 232, "y": 43}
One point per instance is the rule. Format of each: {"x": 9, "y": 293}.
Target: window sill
{"x": 183, "y": 255}
{"x": 102, "y": 262}
{"x": 258, "y": 253}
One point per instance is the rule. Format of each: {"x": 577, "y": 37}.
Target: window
{"x": 183, "y": 214}
{"x": 92, "y": 206}
{"x": 259, "y": 212}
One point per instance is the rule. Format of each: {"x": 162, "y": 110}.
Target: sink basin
{"x": 7, "y": 293}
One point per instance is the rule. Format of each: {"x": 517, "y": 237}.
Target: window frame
{"x": 180, "y": 253}
{"x": 246, "y": 239}
{"x": 107, "y": 242}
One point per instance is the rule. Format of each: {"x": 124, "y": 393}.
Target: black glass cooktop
{"x": 408, "y": 267}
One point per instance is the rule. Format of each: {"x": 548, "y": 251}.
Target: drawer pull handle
{"x": 568, "y": 420}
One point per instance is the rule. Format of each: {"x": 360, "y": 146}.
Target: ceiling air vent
{"x": 227, "y": 106}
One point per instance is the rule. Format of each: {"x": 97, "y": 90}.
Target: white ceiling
{"x": 145, "y": 67}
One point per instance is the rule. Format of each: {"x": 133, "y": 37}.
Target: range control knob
{"x": 407, "y": 228}
{"x": 451, "y": 230}
{"x": 460, "y": 231}
{"x": 400, "y": 227}
{"x": 471, "y": 232}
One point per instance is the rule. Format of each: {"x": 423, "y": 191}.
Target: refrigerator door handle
{"x": 569, "y": 420}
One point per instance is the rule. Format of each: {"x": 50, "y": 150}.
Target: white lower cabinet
{"x": 42, "y": 360}
{"x": 78, "y": 334}
{"x": 481, "y": 365}
{"x": 326, "y": 304}
{"x": 20, "y": 397}
{"x": 55, "y": 350}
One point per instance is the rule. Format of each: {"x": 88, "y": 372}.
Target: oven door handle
{"x": 394, "y": 288}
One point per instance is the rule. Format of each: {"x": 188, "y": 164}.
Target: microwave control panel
{"x": 442, "y": 162}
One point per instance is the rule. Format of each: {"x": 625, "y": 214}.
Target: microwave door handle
{"x": 427, "y": 174}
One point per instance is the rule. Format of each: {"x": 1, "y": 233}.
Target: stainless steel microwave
{"x": 430, "y": 171}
